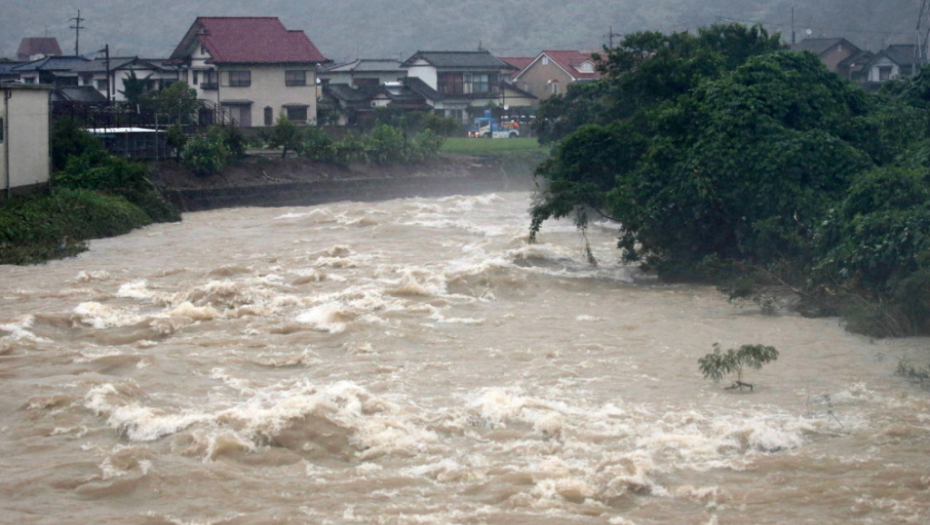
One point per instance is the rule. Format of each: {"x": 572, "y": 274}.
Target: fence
{"x": 137, "y": 130}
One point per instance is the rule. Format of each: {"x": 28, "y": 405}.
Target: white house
{"x": 253, "y": 67}
{"x": 24, "y": 136}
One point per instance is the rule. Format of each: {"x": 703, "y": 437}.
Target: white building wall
{"x": 25, "y": 114}
{"x": 269, "y": 89}
{"x": 875, "y": 71}
{"x": 425, "y": 72}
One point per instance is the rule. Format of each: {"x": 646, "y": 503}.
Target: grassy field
{"x": 474, "y": 146}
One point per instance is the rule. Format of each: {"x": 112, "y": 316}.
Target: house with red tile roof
{"x": 552, "y": 71}
{"x": 36, "y": 48}
{"x": 253, "y": 67}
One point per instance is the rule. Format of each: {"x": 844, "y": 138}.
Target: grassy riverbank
{"x": 495, "y": 147}
{"x": 38, "y": 228}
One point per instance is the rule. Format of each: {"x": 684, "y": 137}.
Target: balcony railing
{"x": 210, "y": 86}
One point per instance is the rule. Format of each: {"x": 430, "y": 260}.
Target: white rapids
{"x": 418, "y": 361}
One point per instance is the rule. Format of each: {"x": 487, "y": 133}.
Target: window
{"x": 295, "y": 78}
{"x": 555, "y": 88}
{"x": 297, "y": 113}
{"x": 366, "y": 83}
{"x": 477, "y": 83}
{"x": 451, "y": 83}
{"x": 240, "y": 113}
{"x": 102, "y": 85}
{"x": 1, "y": 130}
{"x": 196, "y": 78}
{"x": 545, "y": 61}
{"x": 269, "y": 116}
{"x": 240, "y": 78}
{"x": 210, "y": 80}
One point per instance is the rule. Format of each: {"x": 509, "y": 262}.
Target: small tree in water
{"x": 719, "y": 364}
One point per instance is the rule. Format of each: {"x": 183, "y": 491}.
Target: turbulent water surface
{"x": 417, "y": 361}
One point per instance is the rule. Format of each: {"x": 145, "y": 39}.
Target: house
{"x": 552, "y": 71}
{"x": 95, "y": 73}
{"x": 6, "y": 72}
{"x": 24, "y": 136}
{"x": 35, "y": 48}
{"x": 253, "y": 67}
{"x": 361, "y": 73}
{"x": 519, "y": 64}
{"x": 838, "y": 54}
{"x": 357, "y": 105}
{"x": 54, "y": 71}
{"x": 895, "y": 61}
{"x": 453, "y": 82}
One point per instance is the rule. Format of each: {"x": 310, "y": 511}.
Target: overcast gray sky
{"x": 346, "y": 29}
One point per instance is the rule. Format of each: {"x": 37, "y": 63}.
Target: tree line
{"x": 728, "y": 158}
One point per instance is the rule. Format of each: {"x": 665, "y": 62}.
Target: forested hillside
{"x": 345, "y": 29}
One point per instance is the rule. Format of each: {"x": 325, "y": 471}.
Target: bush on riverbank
{"x": 41, "y": 227}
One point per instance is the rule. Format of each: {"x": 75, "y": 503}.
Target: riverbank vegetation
{"x": 94, "y": 195}
{"x": 728, "y": 158}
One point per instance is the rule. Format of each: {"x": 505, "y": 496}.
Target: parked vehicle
{"x": 490, "y": 127}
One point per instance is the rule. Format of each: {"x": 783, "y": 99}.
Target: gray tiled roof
{"x": 902, "y": 54}
{"x": 100, "y": 64}
{"x": 348, "y": 93}
{"x": 83, "y": 94}
{"x": 365, "y": 65}
{"x": 481, "y": 60}
{"x": 818, "y": 46}
{"x": 52, "y": 64}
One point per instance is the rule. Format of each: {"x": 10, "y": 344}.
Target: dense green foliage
{"x": 134, "y": 87}
{"x": 720, "y": 149}
{"x": 205, "y": 154}
{"x": 88, "y": 166}
{"x": 720, "y": 364}
{"x": 285, "y": 135}
{"x": 384, "y": 145}
{"x": 38, "y": 228}
{"x": 178, "y": 103}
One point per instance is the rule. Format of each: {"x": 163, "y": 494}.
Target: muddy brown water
{"x": 416, "y": 361}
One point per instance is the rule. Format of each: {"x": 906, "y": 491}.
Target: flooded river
{"x": 416, "y": 361}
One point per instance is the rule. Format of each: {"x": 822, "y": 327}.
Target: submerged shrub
{"x": 719, "y": 364}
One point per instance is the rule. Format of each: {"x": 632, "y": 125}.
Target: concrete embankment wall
{"x": 321, "y": 192}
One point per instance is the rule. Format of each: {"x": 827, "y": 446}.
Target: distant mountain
{"x": 346, "y": 29}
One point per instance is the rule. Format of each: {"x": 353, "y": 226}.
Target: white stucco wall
{"x": 269, "y": 89}
{"x": 425, "y": 72}
{"x": 25, "y": 138}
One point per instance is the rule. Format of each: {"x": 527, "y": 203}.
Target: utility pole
{"x": 793, "y": 38}
{"x": 610, "y": 37}
{"x": 923, "y": 39}
{"x": 77, "y": 32}
{"x": 106, "y": 50}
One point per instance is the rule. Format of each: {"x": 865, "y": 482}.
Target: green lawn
{"x": 476, "y": 146}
